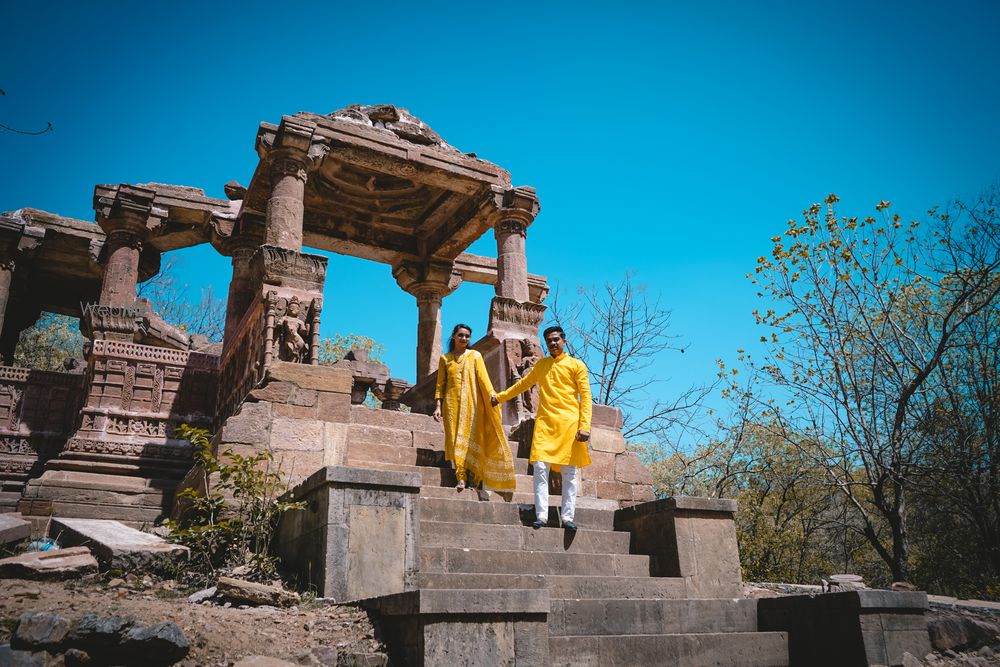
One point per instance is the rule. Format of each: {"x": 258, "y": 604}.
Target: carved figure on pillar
{"x": 527, "y": 403}
{"x": 291, "y": 333}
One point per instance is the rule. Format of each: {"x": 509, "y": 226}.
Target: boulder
{"x": 961, "y": 633}
{"x": 53, "y": 564}
{"x": 248, "y": 592}
{"x": 40, "y": 631}
{"x": 12, "y": 658}
{"x": 160, "y": 644}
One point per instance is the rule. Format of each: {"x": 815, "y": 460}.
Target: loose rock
{"x": 40, "y": 631}
{"x": 161, "y": 644}
{"x": 13, "y": 528}
{"x": 202, "y": 595}
{"x": 237, "y": 590}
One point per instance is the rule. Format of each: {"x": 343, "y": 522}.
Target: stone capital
{"x": 427, "y": 280}
{"x": 286, "y": 162}
{"x": 128, "y": 207}
{"x": 516, "y": 210}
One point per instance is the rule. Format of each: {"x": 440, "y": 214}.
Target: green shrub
{"x": 229, "y": 523}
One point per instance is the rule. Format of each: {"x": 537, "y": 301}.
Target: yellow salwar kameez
{"x": 564, "y": 407}
{"x": 474, "y": 438}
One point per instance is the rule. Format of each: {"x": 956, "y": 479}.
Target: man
{"x": 562, "y": 426}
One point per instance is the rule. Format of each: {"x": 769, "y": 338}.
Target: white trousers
{"x": 570, "y": 481}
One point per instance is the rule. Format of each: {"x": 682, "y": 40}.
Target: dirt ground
{"x": 218, "y": 635}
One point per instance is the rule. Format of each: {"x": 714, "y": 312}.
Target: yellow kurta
{"x": 473, "y": 433}
{"x": 563, "y": 409}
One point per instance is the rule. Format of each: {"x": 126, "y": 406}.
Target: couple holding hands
{"x": 475, "y": 440}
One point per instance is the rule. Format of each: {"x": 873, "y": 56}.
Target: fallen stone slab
{"x": 249, "y": 592}
{"x": 961, "y": 633}
{"x": 53, "y": 564}
{"x": 13, "y": 528}
{"x": 263, "y": 661}
{"x": 40, "y": 631}
{"x": 202, "y": 595}
{"x": 117, "y": 545}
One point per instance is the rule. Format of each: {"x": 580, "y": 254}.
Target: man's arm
{"x": 586, "y": 406}
{"x": 522, "y": 385}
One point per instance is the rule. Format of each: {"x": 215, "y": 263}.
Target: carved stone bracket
{"x": 512, "y": 316}
{"x": 391, "y": 393}
{"x": 276, "y": 266}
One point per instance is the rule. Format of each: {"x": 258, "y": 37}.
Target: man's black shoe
{"x": 538, "y": 523}
{"x": 569, "y": 525}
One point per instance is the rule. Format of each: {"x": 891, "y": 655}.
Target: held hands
{"x": 494, "y": 400}
{"x": 583, "y": 436}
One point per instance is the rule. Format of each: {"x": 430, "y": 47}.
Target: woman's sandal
{"x": 460, "y": 486}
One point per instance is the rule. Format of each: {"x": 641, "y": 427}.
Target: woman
{"x": 474, "y": 438}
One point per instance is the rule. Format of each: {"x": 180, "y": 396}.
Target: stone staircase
{"x": 604, "y": 607}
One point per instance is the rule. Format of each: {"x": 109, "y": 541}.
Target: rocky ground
{"x": 310, "y": 633}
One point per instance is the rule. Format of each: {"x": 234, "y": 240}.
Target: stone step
{"x": 445, "y": 477}
{"x": 465, "y": 507}
{"x": 493, "y": 536}
{"x": 728, "y": 649}
{"x": 562, "y": 586}
{"x": 365, "y": 453}
{"x": 520, "y": 498}
{"x": 650, "y": 617}
{"x": 492, "y": 561}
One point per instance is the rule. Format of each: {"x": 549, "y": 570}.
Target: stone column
{"x": 121, "y": 274}
{"x": 6, "y": 278}
{"x": 512, "y": 262}
{"x": 429, "y": 282}
{"x": 285, "y": 208}
{"x": 428, "y": 333}
{"x": 241, "y": 289}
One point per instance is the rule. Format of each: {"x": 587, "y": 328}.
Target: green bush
{"x": 229, "y": 523}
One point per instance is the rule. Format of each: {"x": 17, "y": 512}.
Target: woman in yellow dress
{"x": 474, "y": 438}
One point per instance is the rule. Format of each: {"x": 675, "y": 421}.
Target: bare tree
{"x": 203, "y": 314}
{"x": 619, "y": 331}
{"x": 864, "y": 313}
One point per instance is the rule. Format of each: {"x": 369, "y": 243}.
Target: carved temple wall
{"x": 138, "y": 394}
{"x": 38, "y": 410}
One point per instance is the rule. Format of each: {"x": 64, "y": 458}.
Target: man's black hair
{"x": 551, "y": 329}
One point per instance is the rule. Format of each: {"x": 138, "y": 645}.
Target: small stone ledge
{"x": 674, "y": 503}
{"x": 349, "y": 476}
{"x": 305, "y": 376}
{"x": 464, "y": 601}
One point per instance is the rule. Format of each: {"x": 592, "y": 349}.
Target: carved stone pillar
{"x": 241, "y": 289}
{"x": 429, "y": 282}
{"x": 6, "y": 277}
{"x": 285, "y": 208}
{"x": 121, "y": 273}
{"x": 512, "y": 263}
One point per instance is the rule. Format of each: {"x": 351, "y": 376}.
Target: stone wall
{"x": 37, "y": 413}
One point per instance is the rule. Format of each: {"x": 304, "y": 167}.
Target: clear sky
{"x": 667, "y": 138}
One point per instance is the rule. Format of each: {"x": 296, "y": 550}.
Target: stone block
{"x": 250, "y": 426}
{"x": 607, "y": 440}
{"x": 56, "y": 564}
{"x": 334, "y": 444}
{"x": 304, "y": 397}
{"x": 614, "y": 490}
{"x": 607, "y": 416}
{"x": 409, "y": 421}
{"x": 13, "y": 528}
{"x": 629, "y": 469}
{"x": 275, "y": 392}
{"x": 333, "y": 407}
{"x": 601, "y": 468}
{"x": 295, "y": 411}
{"x": 116, "y": 545}
{"x": 358, "y": 536}
{"x": 378, "y": 435}
{"x": 643, "y": 493}
{"x": 289, "y": 433}
{"x": 323, "y": 378}
{"x": 429, "y": 440}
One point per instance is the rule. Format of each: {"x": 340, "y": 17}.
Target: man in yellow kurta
{"x": 562, "y": 426}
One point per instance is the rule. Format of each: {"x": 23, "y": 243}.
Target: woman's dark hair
{"x": 451, "y": 338}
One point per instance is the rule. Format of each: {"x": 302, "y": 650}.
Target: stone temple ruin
{"x": 451, "y": 579}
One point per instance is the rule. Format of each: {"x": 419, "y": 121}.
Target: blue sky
{"x": 671, "y": 139}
